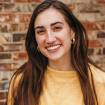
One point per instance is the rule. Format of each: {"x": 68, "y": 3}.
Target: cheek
{"x": 66, "y": 36}
{"x": 40, "y": 40}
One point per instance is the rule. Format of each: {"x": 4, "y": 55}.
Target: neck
{"x": 61, "y": 64}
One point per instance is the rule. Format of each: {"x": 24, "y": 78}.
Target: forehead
{"x": 49, "y": 16}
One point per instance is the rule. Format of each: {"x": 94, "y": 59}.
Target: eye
{"x": 57, "y": 28}
{"x": 40, "y": 32}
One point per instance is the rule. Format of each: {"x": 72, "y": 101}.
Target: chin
{"x": 54, "y": 58}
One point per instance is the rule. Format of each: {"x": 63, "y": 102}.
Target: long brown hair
{"x": 30, "y": 84}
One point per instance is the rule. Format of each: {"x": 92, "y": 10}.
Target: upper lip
{"x": 50, "y": 45}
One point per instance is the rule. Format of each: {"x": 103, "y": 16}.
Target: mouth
{"x": 53, "y": 48}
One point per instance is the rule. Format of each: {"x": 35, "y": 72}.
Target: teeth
{"x": 53, "y": 47}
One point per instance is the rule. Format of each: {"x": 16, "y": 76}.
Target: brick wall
{"x": 14, "y": 19}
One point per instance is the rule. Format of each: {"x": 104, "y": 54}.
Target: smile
{"x": 53, "y": 48}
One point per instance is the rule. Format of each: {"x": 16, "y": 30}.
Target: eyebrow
{"x": 39, "y": 27}
{"x": 56, "y": 23}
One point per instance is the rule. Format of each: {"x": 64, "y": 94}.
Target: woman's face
{"x": 53, "y": 34}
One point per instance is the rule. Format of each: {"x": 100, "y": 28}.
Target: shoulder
{"x": 15, "y": 80}
{"x": 98, "y": 74}
{"x": 12, "y": 88}
{"x": 99, "y": 82}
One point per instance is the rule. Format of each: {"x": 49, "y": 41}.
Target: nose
{"x": 50, "y": 37}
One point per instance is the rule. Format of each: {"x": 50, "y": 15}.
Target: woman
{"x": 58, "y": 71}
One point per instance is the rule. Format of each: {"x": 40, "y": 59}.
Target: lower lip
{"x": 54, "y": 50}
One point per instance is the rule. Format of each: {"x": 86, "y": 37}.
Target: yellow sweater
{"x": 63, "y": 88}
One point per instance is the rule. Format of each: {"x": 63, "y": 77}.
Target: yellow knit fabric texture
{"x": 63, "y": 88}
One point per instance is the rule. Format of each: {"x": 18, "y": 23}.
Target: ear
{"x": 72, "y": 34}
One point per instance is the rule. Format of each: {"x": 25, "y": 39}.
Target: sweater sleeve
{"x": 100, "y": 89}
{"x": 99, "y": 80}
{"x": 10, "y": 92}
{"x": 12, "y": 87}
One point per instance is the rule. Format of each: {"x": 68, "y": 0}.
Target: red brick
{"x": 2, "y": 103}
{"x": 23, "y": 55}
{"x": 101, "y": 34}
{"x": 101, "y": 1}
{"x": 20, "y": 56}
{"x": 1, "y": 48}
{"x": 5, "y": 17}
{"x": 89, "y": 25}
{"x": 22, "y": 27}
{"x": 13, "y": 46}
{"x": 5, "y": 56}
{"x": 21, "y": 18}
{"x": 5, "y": 67}
{"x": 25, "y": 17}
{"x": 3, "y": 95}
{"x": 100, "y": 25}
{"x": 35, "y": 0}
{"x": 90, "y": 51}
{"x": 5, "y": 1}
{"x": 1, "y": 0}
{"x": 94, "y": 44}
{"x": 22, "y": 1}
{"x": 19, "y": 37}
{"x": 14, "y": 27}
{"x": 71, "y": 6}
{"x": 104, "y": 51}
